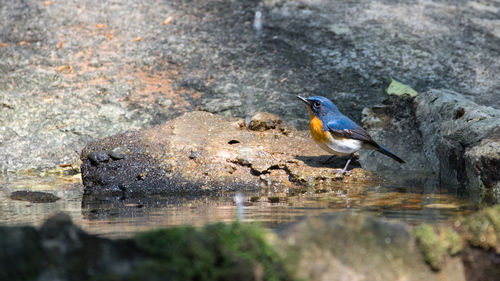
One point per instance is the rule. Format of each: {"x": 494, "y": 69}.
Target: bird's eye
{"x": 316, "y": 104}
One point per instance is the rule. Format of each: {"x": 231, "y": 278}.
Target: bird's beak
{"x": 304, "y": 100}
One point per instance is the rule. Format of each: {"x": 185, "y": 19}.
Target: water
{"x": 123, "y": 218}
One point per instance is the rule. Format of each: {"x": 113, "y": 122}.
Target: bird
{"x": 338, "y": 134}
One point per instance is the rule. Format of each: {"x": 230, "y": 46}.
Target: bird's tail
{"x": 385, "y": 151}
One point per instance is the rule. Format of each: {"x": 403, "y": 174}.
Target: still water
{"x": 411, "y": 204}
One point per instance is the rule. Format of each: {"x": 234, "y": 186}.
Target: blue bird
{"x": 336, "y": 133}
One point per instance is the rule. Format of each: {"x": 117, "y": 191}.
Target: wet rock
{"x": 201, "y": 152}
{"x": 445, "y": 133}
{"x": 34, "y": 196}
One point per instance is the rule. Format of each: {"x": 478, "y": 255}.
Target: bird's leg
{"x": 347, "y": 164}
{"x": 328, "y": 160}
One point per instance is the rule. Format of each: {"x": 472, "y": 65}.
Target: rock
{"x": 482, "y": 166}
{"x": 482, "y": 229}
{"x": 98, "y": 156}
{"x": 262, "y": 121}
{"x": 349, "y": 246}
{"x": 117, "y": 153}
{"x": 455, "y": 131}
{"x": 34, "y": 196}
{"x": 445, "y": 133}
{"x": 73, "y": 72}
{"x": 356, "y": 246}
{"x": 21, "y": 253}
{"x": 73, "y": 254}
{"x": 437, "y": 246}
{"x": 202, "y": 152}
{"x": 393, "y": 124}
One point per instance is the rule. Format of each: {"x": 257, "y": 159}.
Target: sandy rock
{"x": 202, "y": 151}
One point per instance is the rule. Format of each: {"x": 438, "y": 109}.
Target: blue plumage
{"x": 345, "y": 136}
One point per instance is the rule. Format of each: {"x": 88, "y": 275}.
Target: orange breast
{"x": 317, "y": 133}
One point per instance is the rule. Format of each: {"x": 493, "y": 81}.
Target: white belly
{"x": 341, "y": 146}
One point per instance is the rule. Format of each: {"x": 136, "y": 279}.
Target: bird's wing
{"x": 346, "y": 128}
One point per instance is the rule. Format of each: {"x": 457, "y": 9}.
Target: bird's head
{"x": 319, "y": 106}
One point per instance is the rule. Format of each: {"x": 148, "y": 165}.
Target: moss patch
{"x": 483, "y": 228}
{"x": 216, "y": 252}
{"x": 435, "y": 246}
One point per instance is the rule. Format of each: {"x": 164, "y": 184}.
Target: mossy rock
{"x": 483, "y": 228}
{"x": 216, "y": 252}
{"x": 437, "y": 244}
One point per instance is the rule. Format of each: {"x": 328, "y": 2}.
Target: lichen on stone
{"x": 435, "y": 246}
{"x": 483, "y": 228}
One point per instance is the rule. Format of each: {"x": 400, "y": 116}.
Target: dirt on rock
{"x": 200, "y": 151}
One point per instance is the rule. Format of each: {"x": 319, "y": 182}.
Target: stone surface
{"x": 62, "y": 251}
{"x": 200, "y": 151}
{"x": 34, "y": 196}
{"x": 445, "y": 133}
{"x": 393, "y": 124}
{"x": 76, "y": 71}
{"x": 460, "y": 140}
{"x": 350, "y": 246}
{"x": 355, "y": 246}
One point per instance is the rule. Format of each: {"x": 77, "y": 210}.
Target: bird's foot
{"x": 343, "y": 172}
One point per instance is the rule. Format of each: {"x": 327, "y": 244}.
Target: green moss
{"x": 216, "y": 252}
{"x": 453, "y": 240}
{"x": 483, "y": 228}
{"x": 435, "y": 246}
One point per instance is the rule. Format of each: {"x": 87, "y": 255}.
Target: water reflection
{"x": 119, "y": 218}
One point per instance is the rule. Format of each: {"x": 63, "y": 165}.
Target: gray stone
{"x": 34, "y": 196}
{"x": 117, "y": 153}
{"x": 353, "y": 246}
{"x": 455, "y": 131}
{"x": 445, "y": 133}
{"x": 129, "y": 71}
{"x": 98, "y": 156}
